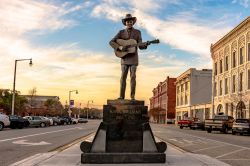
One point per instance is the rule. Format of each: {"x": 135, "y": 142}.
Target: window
{"x": 233, "y": 84}
{"x": 181, "y": 100}
{"x": 248, "y": 81}
{"x": 186, "y": 100}
{"x": 241, "y": 56}
{"x": 215, "y": 68}
{"x": 220, "y": 87}
{"x": 248, "y": 52}
{"x": 221, "y": 66}
{"x": 177, "y": 101}
{"x": 226, "y": 63}
{"x": 241, "y": 79}
{"x": 226, "y": 86}
{"x": 234, "y": 59}
{"x": 178, "y": 89}
{"x": 186, "y": 85}
{"x": 181, "y": 87}
{"x": 215, "y": 88}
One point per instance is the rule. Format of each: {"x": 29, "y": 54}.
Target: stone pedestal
{"x": 124, "y": 136}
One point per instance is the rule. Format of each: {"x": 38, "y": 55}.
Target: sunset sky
{"x": 68, "y": 42}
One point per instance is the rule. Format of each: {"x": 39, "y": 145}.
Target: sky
{"x": 68, "y": 41}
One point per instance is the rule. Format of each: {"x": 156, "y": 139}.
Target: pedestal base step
{"x": 112, "y": 158}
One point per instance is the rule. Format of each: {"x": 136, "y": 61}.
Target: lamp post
{"x": 69, "y": 111}
{"x": 79, "y": 110}
{"x": 14, "y": 83}
{"x": 88, "y": 108}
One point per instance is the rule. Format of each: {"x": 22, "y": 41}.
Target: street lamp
{"x": 69, "y": 111}
{"x": 14, "y": 83}
{"x": 88, "y": 108}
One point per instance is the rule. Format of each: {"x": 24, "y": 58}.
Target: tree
{"x": 54, "y": 107}
{"x": 6, "y": 100}
{"x": 32, "y": 93}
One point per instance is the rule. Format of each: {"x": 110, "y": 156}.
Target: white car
{"x": 50, "y": 120}
{"x": 4, "y": 121}
{"x": 74, "y": 120}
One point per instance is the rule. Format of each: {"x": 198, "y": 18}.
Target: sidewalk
{"x": 72, "y": 157}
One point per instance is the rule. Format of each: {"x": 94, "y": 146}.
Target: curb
{"x": 66, "y": 146}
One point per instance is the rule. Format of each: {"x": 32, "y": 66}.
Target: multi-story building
{"x": 37, "y": 104}
{"x": 231, "y": 76}
{"x": 163, "y": 101}
{"x": 193, "y": 94}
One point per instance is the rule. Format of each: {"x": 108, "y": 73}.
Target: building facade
{"x": 193, "y": 94}
{"x": 162, "y": 104}
{"x": 37, "y": 105}
{"x": 231, "y": 72}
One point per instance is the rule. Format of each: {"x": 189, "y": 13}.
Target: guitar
{"x": 131, "y": 45}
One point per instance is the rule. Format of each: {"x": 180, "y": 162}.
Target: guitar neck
{"x": 135, "y": 45}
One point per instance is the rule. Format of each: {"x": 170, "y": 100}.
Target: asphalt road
{"x": 17, "y": 144}
{"x": 231, "y": 149}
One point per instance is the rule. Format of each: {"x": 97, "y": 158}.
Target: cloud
{"x": 18, "y": 17}
{"x": 244, "y": 3}
{"x": 180, "y": 31}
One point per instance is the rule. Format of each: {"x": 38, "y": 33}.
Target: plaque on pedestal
{"x": 124, "y": 136}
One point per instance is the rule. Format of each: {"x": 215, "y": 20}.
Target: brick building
{"x": 162, "y": 104}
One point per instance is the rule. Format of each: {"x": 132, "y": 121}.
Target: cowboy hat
{"x": 128, "y": 17}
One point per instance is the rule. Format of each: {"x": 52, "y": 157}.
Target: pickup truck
{"x": 222, "y": 123}
{"x": 186, "y": 122}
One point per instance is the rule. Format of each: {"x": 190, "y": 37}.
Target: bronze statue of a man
{"x": 130, "y": 60}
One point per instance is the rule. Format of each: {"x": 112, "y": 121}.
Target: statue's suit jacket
{"x": 131, "y": 58}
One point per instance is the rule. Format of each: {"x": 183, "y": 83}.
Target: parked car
{"x": 62, "y": 120}
{"x": 74, "y": 120}
{"x": 56, "y": 121}
{"x": 82, "y": 120}
{"x": 170, "y": 121}
{"x": 50, "y": 120}
{"x": 37, "y": 121}
{"x": 198, "y": 125}
{"x": 222, "y": 123}
{"x": 68, "y": 119}
{"x": 4, "y": 121}
{"x": 18, "y": 122}
{"x": 241, "y": 126}
{"x": 187, "y": 122}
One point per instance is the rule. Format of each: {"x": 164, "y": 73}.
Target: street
{"x": 228, "y": 148}
{"x": 17, "y": 144}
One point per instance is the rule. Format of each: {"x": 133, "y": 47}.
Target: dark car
{"x": 62, "y": 121}
{"x": 198, "y": 125}
{"x": 67, "y": 119}
{"x": 241, "y": 126}
{"x": 18, "y": 122}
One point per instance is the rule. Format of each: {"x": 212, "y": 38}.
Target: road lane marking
{"x": 25, "y": 143}
{"x": 236, "y": 159}
{"x": 208, "y": 139}
{"x": 208, "y": 148}
{"x": 32, "y": 135}
{"x": 235, "y": 151}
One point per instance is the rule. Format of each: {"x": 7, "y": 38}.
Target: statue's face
{"x": 129, "y": 23}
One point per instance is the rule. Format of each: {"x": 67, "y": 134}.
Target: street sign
{"x": 71, "y": 103}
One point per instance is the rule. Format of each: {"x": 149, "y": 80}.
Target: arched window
{"x": 219, "y": 108}
{"x": 241, "y": 110}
